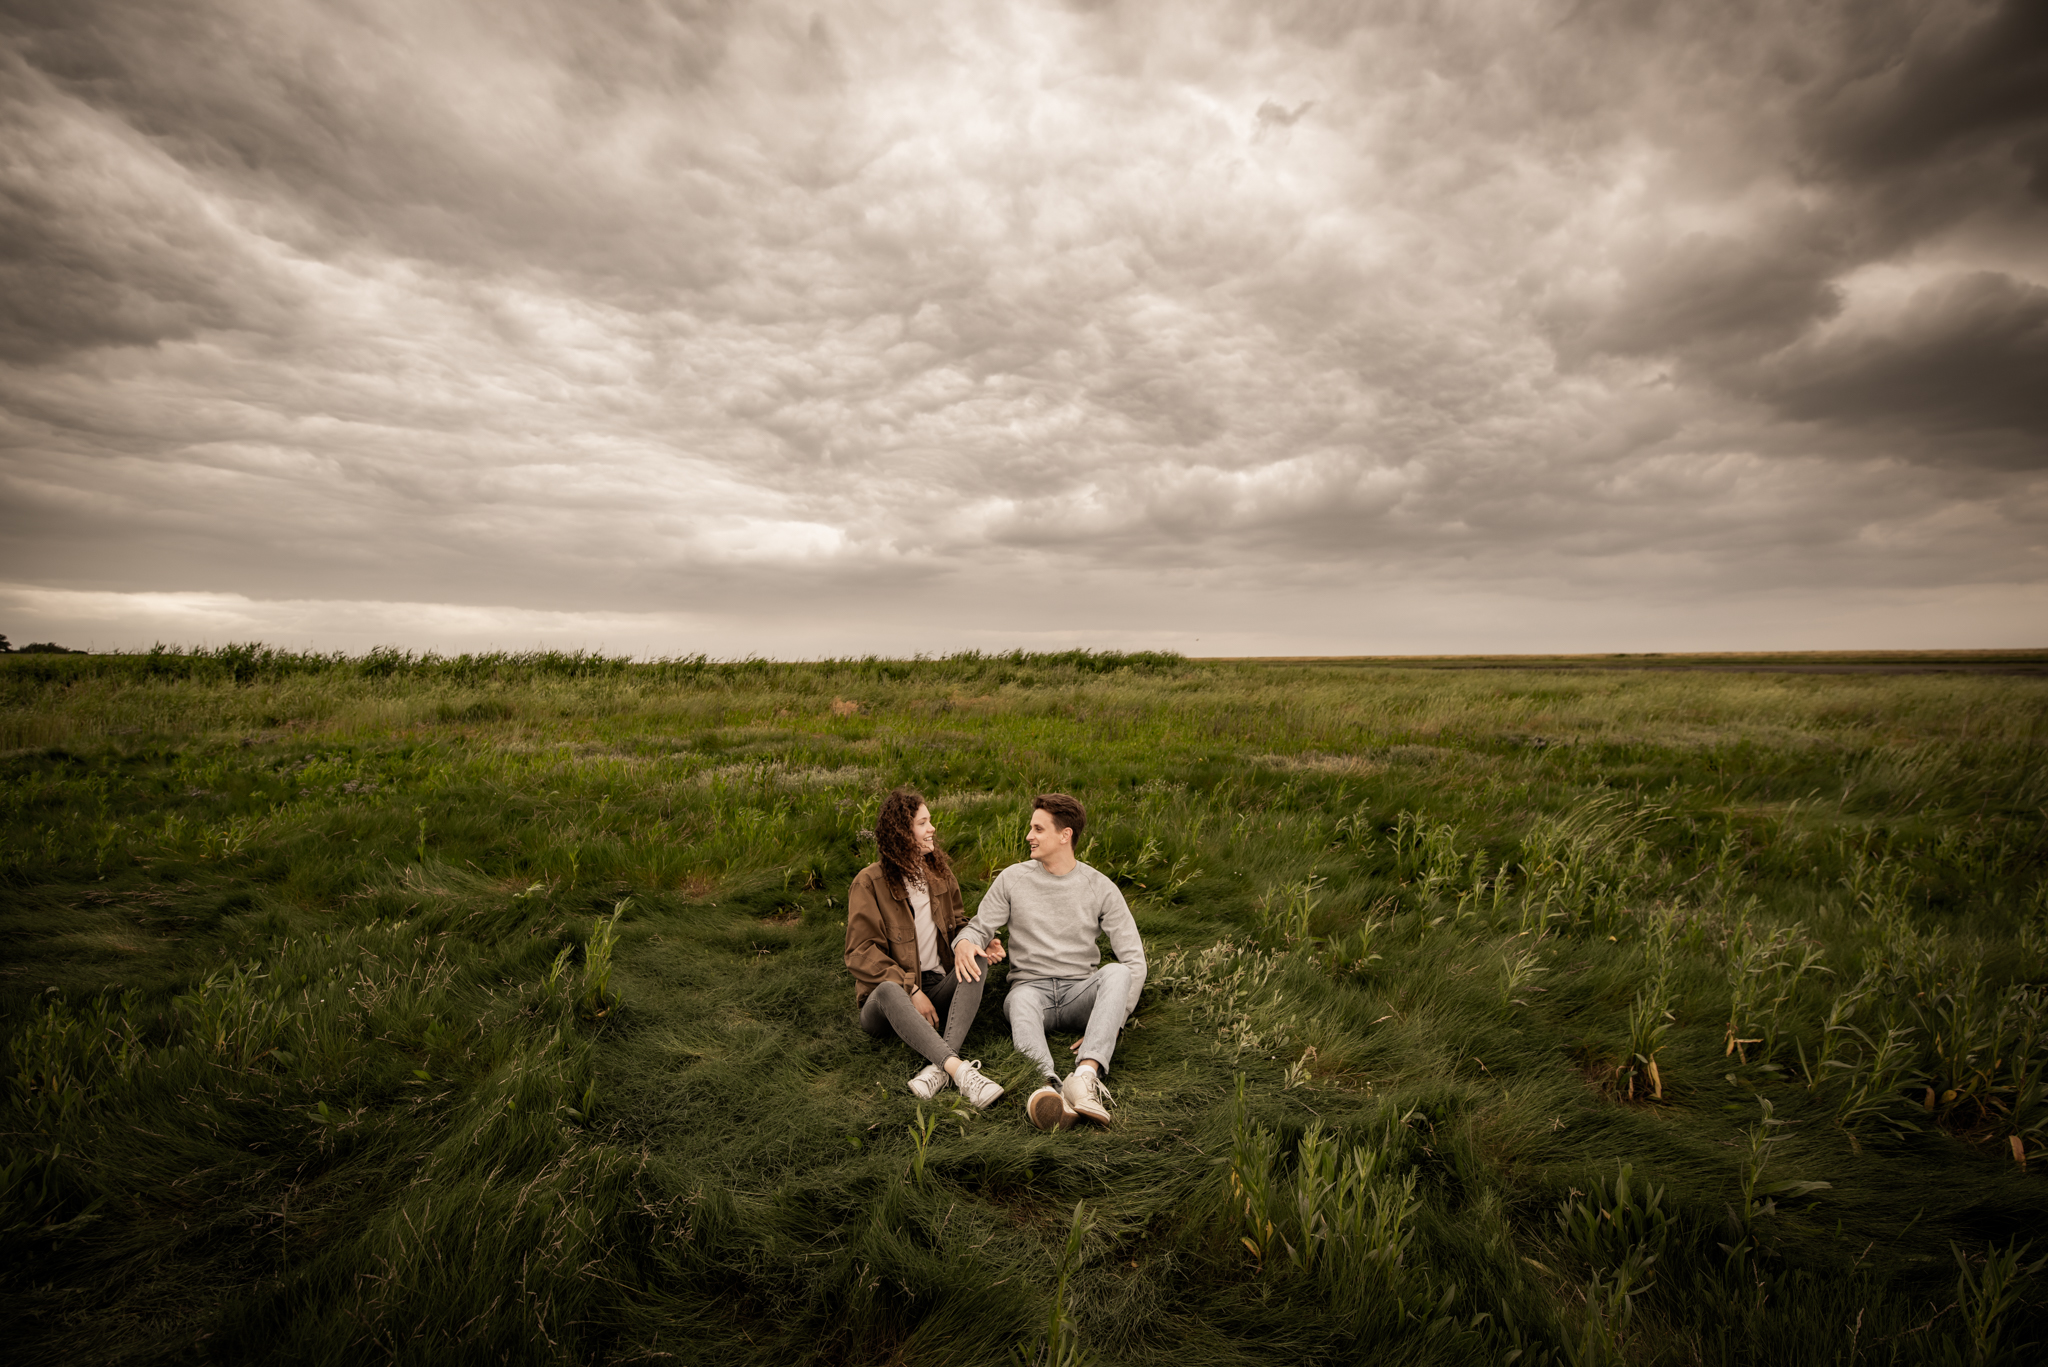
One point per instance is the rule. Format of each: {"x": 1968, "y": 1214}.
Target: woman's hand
{"x": 996, "y": 952}
{"x": 924, "y": 1007}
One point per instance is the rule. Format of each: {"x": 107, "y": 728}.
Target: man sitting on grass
{"x": 1056, "y": 907}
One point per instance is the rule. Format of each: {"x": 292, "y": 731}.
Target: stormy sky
{"x": 1233, "y": 328}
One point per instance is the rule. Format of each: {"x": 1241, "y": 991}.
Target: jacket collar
{"x": 896, "y": 889}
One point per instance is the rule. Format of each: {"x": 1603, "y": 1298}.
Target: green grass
{"x": 492, "y": 1008}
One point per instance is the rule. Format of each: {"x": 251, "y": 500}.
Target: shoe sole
{"x": 1042, "y": 1102}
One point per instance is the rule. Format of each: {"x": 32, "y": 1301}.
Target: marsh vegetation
{"x": 492, "y": 1008}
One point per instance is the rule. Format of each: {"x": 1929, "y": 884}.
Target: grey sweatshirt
{"x": 1054, "y": 923}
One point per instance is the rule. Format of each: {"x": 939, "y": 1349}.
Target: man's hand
{"x": 924, "y": 1007}
{"x": 963, "y": 960}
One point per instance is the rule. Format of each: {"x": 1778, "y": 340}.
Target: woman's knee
{"x": 874, "y": 1012}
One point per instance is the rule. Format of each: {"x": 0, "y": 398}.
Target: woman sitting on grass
{"x": 901, "y": 915}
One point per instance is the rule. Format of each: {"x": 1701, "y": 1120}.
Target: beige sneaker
{"x": 975, "y": 1086}
{"x": 928, "y": 1083}
{"x": 1086, "y": 1096}
{"x": 1048, "y": 1109}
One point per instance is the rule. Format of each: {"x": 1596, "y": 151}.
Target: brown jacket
{"x": 881, "y": 938}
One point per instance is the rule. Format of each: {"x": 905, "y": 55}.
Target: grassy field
{"x": 492, "y": 1009}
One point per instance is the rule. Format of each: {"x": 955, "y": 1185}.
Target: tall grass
{"x": 430, "y": 1009}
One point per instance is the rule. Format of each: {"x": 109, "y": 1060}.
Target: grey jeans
{"x": 888, "y": 1008}
{"x": 1094, "y": 1005}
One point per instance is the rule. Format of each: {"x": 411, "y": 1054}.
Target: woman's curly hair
{"x": 901, "y": 859}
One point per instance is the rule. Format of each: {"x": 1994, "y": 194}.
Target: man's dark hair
{"x": 1066, "y": 812}
{"x": 902, "y": 861}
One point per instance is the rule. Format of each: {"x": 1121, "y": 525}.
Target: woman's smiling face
{"x": 922, "y": 830}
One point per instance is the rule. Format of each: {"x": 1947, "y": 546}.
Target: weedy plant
{"x": 1284, "y": 912}
{"x": 1986, "y": 1296}
{"x": 1487, "y": 894}
{"x": 597, "y": 999}
{"x": 1649, "y": 1016}
{"x": 921, "y": 1142}
{"x": 1621, "y": 1232}
{"x": 1231, "y": 990}
{"x": 1521, "y": 965}
{"x": 1584, "y": 867}
{"x": 1760, "y": 1199}
{"x": 1349, "y": 952}
{"x": 1765, "y": 966}
{"x": 1649, "y": 1020}
{"x": 1973, "y": 1055}
{"x": 1436, "y": 859}
{"x": 1060, "y": 1344}
{"x": 1340, "y": 1218}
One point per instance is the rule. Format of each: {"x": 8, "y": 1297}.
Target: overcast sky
{"x": 673, "y": 325}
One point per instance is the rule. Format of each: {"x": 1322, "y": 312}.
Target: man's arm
{"x": 989, "y": 918}
{"x": 1122, "y": 928}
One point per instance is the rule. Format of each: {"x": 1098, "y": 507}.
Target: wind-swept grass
{"x": 378, "y": 1008}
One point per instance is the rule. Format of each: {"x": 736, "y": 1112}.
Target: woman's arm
{"x": 867, "y": 941}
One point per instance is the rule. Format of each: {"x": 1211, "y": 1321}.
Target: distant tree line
{"x": 36, "y": 648}
{"x": 254, "y": 662}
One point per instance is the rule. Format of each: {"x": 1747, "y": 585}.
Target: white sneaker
{"x": 976, "y": 1087}
{"x": 929, "y": 1083}
{"x": 1086, "y": 1096}
{"x": 1048, "y": 1109}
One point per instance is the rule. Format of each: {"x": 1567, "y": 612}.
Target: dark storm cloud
{"x": 1967, "y": 358}
{"x": 1956, "y": 89}
{"x": 1897, "y": 134}
{"x": 489, "y": 140}
{"x": 645, "y": 305}
{"x": 96, "y": 250}
{"x": 1713, "y": 297}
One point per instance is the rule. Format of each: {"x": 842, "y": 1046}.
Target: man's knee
{"x": 1113, "y": 975}
{"x": 1023, "y": 1001}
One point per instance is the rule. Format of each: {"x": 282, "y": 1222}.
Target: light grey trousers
{"x": 888, "y": 1008}
{"x": 1094, "y": 1005}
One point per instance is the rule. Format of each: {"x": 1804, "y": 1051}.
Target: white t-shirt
{"x": 927, "y": 933}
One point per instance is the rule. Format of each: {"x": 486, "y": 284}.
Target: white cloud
{"x": 119, "y": 620}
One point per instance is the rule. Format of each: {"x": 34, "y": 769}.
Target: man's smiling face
{"x": 1045, "y": 839}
